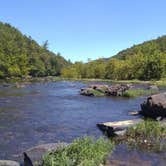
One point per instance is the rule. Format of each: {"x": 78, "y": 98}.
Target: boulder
{"x": 36, "y": 153}
{"x": 8, "y": 163}
{"x": 98, "y": 86}
{"x": 153, "y": 87}
{"x": 117, "y": 90}
{"x": 87, "y": 92}
{"x": 154, "y": 106}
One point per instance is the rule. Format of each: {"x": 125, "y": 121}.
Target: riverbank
{"x": 161, "y": 82}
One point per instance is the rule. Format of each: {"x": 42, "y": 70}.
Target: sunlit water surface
{"x": 51, "y": 112}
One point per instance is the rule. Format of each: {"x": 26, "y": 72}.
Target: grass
{"x": 149, "y": 135}
{"x": 82, "y": 152}
{"x": 97, "y": 93}
{"x": 161, "y": 82}
{"x": 138, "y": 92}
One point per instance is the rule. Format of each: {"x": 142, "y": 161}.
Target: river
{"x": 54, "y": 111}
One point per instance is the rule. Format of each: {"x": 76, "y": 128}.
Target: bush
{"x": 83, "y": 152}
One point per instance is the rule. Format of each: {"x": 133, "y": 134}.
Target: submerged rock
{"x": 153, "y": 87}
{"x": 134, "y": 113}
{"x": 154, "y": 106}
{"x": 8, "y": 163}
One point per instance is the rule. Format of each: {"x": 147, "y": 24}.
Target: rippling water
{"x": 52, "y": 112}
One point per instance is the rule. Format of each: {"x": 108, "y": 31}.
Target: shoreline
{"x": 18, "y": 80}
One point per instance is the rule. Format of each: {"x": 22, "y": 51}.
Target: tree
{"x": 45, "y": 45}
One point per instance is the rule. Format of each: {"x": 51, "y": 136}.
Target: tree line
{"x": 21, "y": 56}
{"x": 144, "y": 62}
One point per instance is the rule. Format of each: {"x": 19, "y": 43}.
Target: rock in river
{"x": 105, "y": 90}
{"x": 154, "y": 106}
{"x": 117, "y": 128}
{"x": 153, "y": 87}
{"x": 36, "y": 153}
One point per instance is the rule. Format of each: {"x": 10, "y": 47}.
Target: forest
{"x": 145, "y": 61}
{"x": 21, "y": 56}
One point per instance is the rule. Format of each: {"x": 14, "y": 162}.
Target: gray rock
{"x": 154, "y": 106}
{"x": 98, "y": 86}
{"x": 87, "y": 92}
{"x": 120, "y": 133}
{"x": 36, "y": 153}
{"x": 8, "y": 163}
{"x": 105, "y": 90}
{"x": 117, "y": 128}
{"x": 134, "y": 113}
{"x": 153, "y": 87}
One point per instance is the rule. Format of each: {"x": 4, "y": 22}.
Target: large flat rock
{"x": 112, "y": 128}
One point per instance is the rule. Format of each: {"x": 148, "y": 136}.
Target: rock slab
{"x": 118, "y": 127}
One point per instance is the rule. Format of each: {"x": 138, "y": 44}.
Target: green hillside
{"x": 148, "y": 48}
{"x": 21, "y": 55}
{"x": 145, "y": 61}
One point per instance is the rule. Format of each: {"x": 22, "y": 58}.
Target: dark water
{"x": 52, "y": 112}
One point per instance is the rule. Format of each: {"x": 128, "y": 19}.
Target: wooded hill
{"x": 145, "y": 61}
{"x": 21, "y": 55}
{"x": 148, "y": 47}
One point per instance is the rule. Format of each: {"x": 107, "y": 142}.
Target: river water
{"x": 54, "y": 111}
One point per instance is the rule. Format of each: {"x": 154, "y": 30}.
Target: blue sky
{"x": 82, "y": 29}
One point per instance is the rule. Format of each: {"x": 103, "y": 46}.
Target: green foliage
{"x": 149, "y": 134}
{"x": 97, "y": 93}
{"x": 93, "y": 69}
{"x": 21, "y": 55}
{"x": 143, "y": 62}
{"x": 82, "y": 152}
{"x": 148, "y": 47}
{"x": 138, "y": 92}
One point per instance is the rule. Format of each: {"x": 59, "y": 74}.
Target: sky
{"x": 87, "y": 29}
